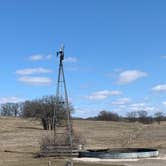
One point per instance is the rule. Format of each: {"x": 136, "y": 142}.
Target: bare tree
{"x": 159, "y": 116}
{"x": 44, "y": 109}
{"x": 132, "y": 116}
{"x": 144, "y": 118}
{"x": 15, "y": 109}
{"x": 108, "y": 116}
{"x": 10, "y": 109}
{"x": 6, "y": 109}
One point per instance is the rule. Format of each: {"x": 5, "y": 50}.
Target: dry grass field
{"x": 20, "y": 139}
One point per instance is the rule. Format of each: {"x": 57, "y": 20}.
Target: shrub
{"x": 62, "y": 139}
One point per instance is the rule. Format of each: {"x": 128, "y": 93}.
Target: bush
{"x": 108, "y": 116}
{"x": 62, "y": 139}
{"x": 159, "y": 116}
{"x": 132, "y": 116}
{"x": 44, "y": 109}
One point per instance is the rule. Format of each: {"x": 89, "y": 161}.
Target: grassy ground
{"x": 101, "y": 134}
{"x": 20, "y": 139}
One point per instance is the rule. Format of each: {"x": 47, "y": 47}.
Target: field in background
{"x": 19, "y": 138}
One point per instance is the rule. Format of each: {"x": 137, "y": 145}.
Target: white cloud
{"x": 30, "y": 71}
{"x": 100, "y": 95}
{"x": 129, "y": 76}
{"x": 137, "y": 106}
{"x": 36, "y": 57}
{"x": 40, "y": 57}
{"x": 70, "y": 60}
{"x": 85, "y": 112}
{"x": 121, "y": 101}
{"x": 159, "y": 88}
{"x": 142, "y": 107}
{"x": 4, "y": 100}
{"x": 163, "y": 57}
{"x": 45, "y": 81}
{"x": 164, "y": 103}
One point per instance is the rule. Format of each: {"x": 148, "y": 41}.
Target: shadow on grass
{"x": 18, "y": 152}
{"x": 30, "y": 128}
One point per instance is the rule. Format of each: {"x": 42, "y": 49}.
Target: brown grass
{"x": 100, "y": 134}
{"x": 20, "y": 138}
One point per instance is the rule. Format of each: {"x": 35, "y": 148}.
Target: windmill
{"x": 62, "y": 101}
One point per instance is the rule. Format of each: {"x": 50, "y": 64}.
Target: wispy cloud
{"x": 42, "y": 81}
{"x": 164, "y": 103}
{"x": 138, "y": 106}
{"x": 142, "y": 107}
{"x": 127, "y": 105}
{"x": 30, "y": 71}
{"x": 101, "y": 95}
{"x": 70, "y": 60}
{"x": 13, "y": 99}
{"x": 48, "y": 57}
{"x": 163, "y": 57}
{"x": 121, "y": 101}
{"x": 36, "y": 57}
{"x": 159, "y": 88}
{"x": 129, "y": 76}
{"x": 85, "y": 112}
{"x": 40, "y": 57}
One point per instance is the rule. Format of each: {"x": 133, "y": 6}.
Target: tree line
{"x": 42, "y": 108}
{"x": 133, "y": 116}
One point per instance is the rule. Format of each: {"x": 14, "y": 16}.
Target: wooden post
{"x": 49, "y": 163}
{"x": 69, "y": 163}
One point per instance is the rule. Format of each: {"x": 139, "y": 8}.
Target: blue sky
{"x": 115, "y": 52}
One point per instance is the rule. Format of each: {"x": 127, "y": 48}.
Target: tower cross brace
{"x": 62, "y": 99}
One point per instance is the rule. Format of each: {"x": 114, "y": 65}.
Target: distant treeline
{"x": 42, "y": 109}
{"x": 133, "y": 116}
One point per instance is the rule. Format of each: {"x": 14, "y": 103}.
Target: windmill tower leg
{"x": 62, "y": 101}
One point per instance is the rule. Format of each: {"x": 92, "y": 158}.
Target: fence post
{"x": 69, "y": 163}
{"x": 49, "y": 163}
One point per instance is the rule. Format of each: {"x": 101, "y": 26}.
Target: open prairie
{"x": 20, "y": 140}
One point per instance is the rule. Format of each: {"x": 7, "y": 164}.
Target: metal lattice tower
{"x": 62, "y": 100}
